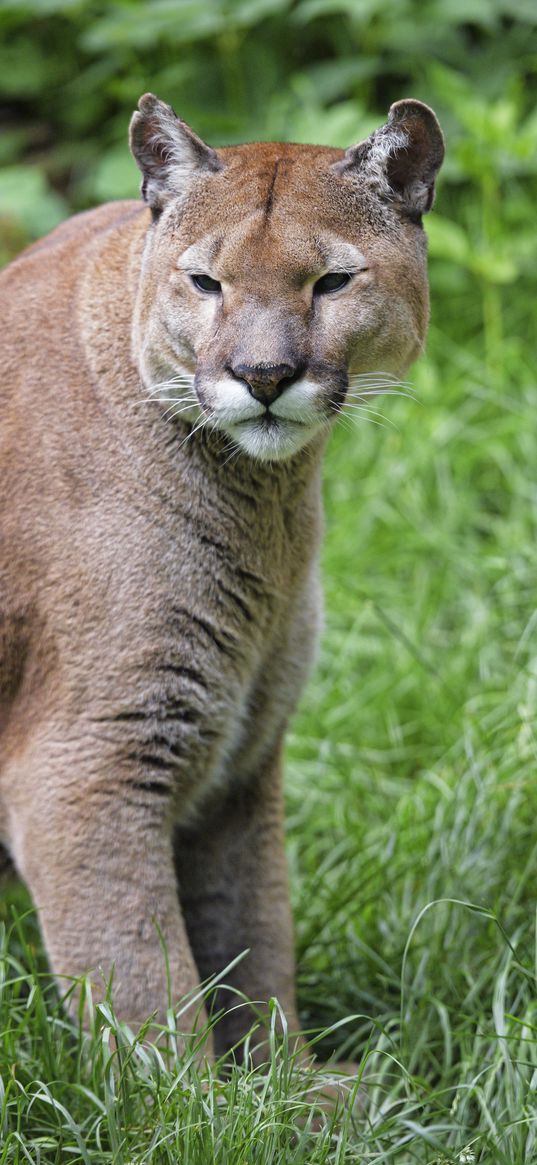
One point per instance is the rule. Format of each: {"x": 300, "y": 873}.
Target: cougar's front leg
{"x": 96, "y": 853}
{"x": 233, "y": 885}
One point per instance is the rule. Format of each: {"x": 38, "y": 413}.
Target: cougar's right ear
{"x": 167, "y": 152}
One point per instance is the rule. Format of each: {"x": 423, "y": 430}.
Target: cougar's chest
{"x": 203, "y": 663}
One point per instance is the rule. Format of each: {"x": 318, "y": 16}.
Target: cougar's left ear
{"x": 402, "y": 158}
{"x": 167, "y": 152}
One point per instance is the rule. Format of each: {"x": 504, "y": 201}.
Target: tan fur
{"x": 158, "y": 577}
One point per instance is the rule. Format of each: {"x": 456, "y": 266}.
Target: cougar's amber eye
{"x": 332, "y": 281}
{"x": 207, "y": 284}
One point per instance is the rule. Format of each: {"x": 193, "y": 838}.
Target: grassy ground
{"x": 411, "y": 810}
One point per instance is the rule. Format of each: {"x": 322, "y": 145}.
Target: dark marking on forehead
{"x": 216, "y": 247}
{"x": 282, "y": 163}
{"x": 270, "y": 196}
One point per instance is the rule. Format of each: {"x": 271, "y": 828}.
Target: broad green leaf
{"x": 448, "y": 240}
{"x": 26, "y": 197}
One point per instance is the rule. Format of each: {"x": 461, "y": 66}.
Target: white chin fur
{"x": 295, "y": 417}
{"x": 276, "y": 442}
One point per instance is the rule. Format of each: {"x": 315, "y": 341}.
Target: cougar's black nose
{"x": 265, "y": 382}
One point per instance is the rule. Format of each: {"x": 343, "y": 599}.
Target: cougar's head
{"x": 272, "y": 272}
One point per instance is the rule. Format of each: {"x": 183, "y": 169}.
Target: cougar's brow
{"x": 216, "y": 247}
{"x": 204, "y": 251}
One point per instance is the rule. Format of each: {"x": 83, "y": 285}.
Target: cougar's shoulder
{"x": 42, "y": 294}
{"x": 69, "y": 238}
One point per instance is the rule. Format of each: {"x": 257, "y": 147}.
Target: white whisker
{"x": 175, "y": 381}
{"x": 359, "y": 415}
{"x": 204, "y": 421}
{"x": 368, "y": 420}
{"x": 171, "y": 390}
{"x": 361, "y": 409}
{"x": 374, "y": 378}
{"x": 345, "y": 422}
{"x": 234, "y": 453}
{"x": 175, "y": 412}
{"x": 386, "y": 377}
{"x": 381, "y": 392}
{"x": 155, "y": 400}
{"x": 373, "y": 385}
{"x": 178, "y": 376}
{"x": 378, "y": 386}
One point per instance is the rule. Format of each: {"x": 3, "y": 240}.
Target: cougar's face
{"x": 266, "y": 287}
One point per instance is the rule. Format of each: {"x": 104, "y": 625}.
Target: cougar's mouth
{"x": 270, "y": 420}
{"x": 269, "y": 437}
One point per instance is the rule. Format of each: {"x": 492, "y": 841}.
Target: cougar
{"x": 171, "y": 370}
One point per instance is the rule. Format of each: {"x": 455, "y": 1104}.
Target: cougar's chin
{"x": 270, "y": 438}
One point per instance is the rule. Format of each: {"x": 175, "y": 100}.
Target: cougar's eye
{"x": 332, "y": 281}
{"x": 207, "y": 284}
